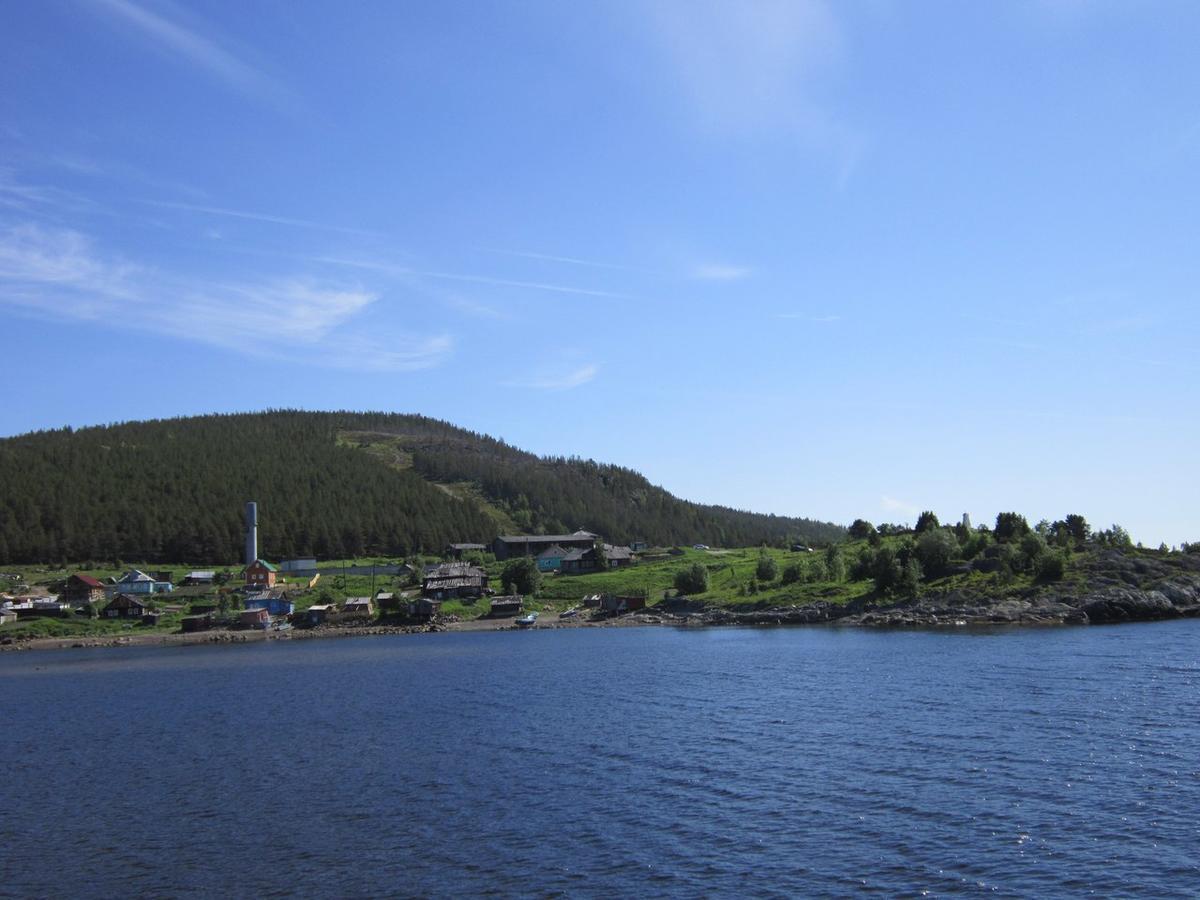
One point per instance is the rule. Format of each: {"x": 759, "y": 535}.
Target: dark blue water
{"x": 648, "y": 762}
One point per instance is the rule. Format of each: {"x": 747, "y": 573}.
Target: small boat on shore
{"x": 527, "y": 620}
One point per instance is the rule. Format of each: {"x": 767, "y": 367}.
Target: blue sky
{"x": 825, "y": 259}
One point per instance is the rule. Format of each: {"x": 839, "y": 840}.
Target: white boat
{"x": 526, "y": 621}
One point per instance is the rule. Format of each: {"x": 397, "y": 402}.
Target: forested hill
{"x": 333, "y": 485}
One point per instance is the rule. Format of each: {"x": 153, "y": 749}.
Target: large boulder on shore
{"x": 1126, "y": 605}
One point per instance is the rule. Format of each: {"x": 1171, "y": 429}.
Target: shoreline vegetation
{"x": 926, "y": 577}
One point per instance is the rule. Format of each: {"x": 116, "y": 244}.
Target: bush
{"x": 860, "y": 529}
{"x": 861, "y": 567}
{"x": 792, "y": 573}
{"x": 935, "y": 548}
{"x": 927, "y": 521}
{"x": 1010, "y": 526}
{"x": 692, "y": 580}
{"x": 1033, "y": 547}
{"x": 835, "y": 566}
{"x": 1008, "y": 563}
{"x": 816, "y": 570}
{"x": 910, "y": 577}
{"x": 886, "y": 569}
{"x": 767, "y": 569}
{"x": 1051, "y": 566}
{"x": 975, "y": 543}
{"x": 1116, "y": 536}
{"x": 521, "y": 576}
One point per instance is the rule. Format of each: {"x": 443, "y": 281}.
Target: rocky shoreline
{"x": 1120, "y": 589}
{"x": 1117, "y": 589}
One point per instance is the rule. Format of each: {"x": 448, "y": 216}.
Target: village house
{"x": 387, "y": 601}
{"x": 318, "y": 613}
{"x": 454, "y": 580}
{"x": 205, "y": 577}
{"x": 550, "y": 559}
{"x": 81, "y": 589}
{"x": 580, "y": 561}
{"x": 274, "y": 601}
{"x": 7, "y": 614}
{"x": 260, "y": 574}
{"x": 124, "y": 606}
{"x": 196, "y": 623}
{"x": 615, "y": 605}
{"x": 359, "y": 606}
{"x": 43, "y": 607}
{"x": 255, "y": 618}
{"x": 509, "y": 546}
{"x": 505, "y": 606}
{"x": 137, "y": 582}
{"x": 424, "y": 608}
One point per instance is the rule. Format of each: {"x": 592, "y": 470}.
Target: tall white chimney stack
{"x": 251, "y": 532}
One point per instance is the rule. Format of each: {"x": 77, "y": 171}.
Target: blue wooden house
{"x": 550, "y": 559}
{"x": 137, "y": 582}
{"x": 274, "y": 602}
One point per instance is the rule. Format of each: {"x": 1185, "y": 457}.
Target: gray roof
{"x": 551, "y": 552}
{"x": 454, "y": 570}
{"x": 610, "y": 552}
{"x": 542, "y": 538}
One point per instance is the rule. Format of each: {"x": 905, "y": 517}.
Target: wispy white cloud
{"x": 58, "y": 274}
{"x": 168, "y": 34}
{"x": 260, "y": 217}
{"x": 390, "y": 268}
{"x": 567, "y": 260}
{"x": 721, "y": 272}
{"x": 891, "y": 504}
{"x": 27, "y": 197}
{"x": 555, "y": 381}
{"x": 750, "y": 67}
{"x": 472, "y": 307}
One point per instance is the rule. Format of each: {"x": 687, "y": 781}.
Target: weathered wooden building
{"x": 258, "y": 617}
{"x": 424, "y": 608}
{"x": 358, "y": 606}
{"x": 581, "y": 561}
{"x": 502, "y": 607}
{"x": 508, "y": 546}
{"x": 454, "y": 580}
{"x": 125, "y": 606}
{"x": 81, "y": 588}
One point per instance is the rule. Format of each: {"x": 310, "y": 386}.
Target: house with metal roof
{"x": 125, "y": 606}
{"x": 508, "y": 546}
{"x": 580, "y": 561}
{"x": 136, "y": 581}
{"x": 260, "y": 574}
{"x": 550, "y": 559}
{"x": 274, "y": 601}
{"x": 81, "y": 588}
{"x": 450, "y": 580}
